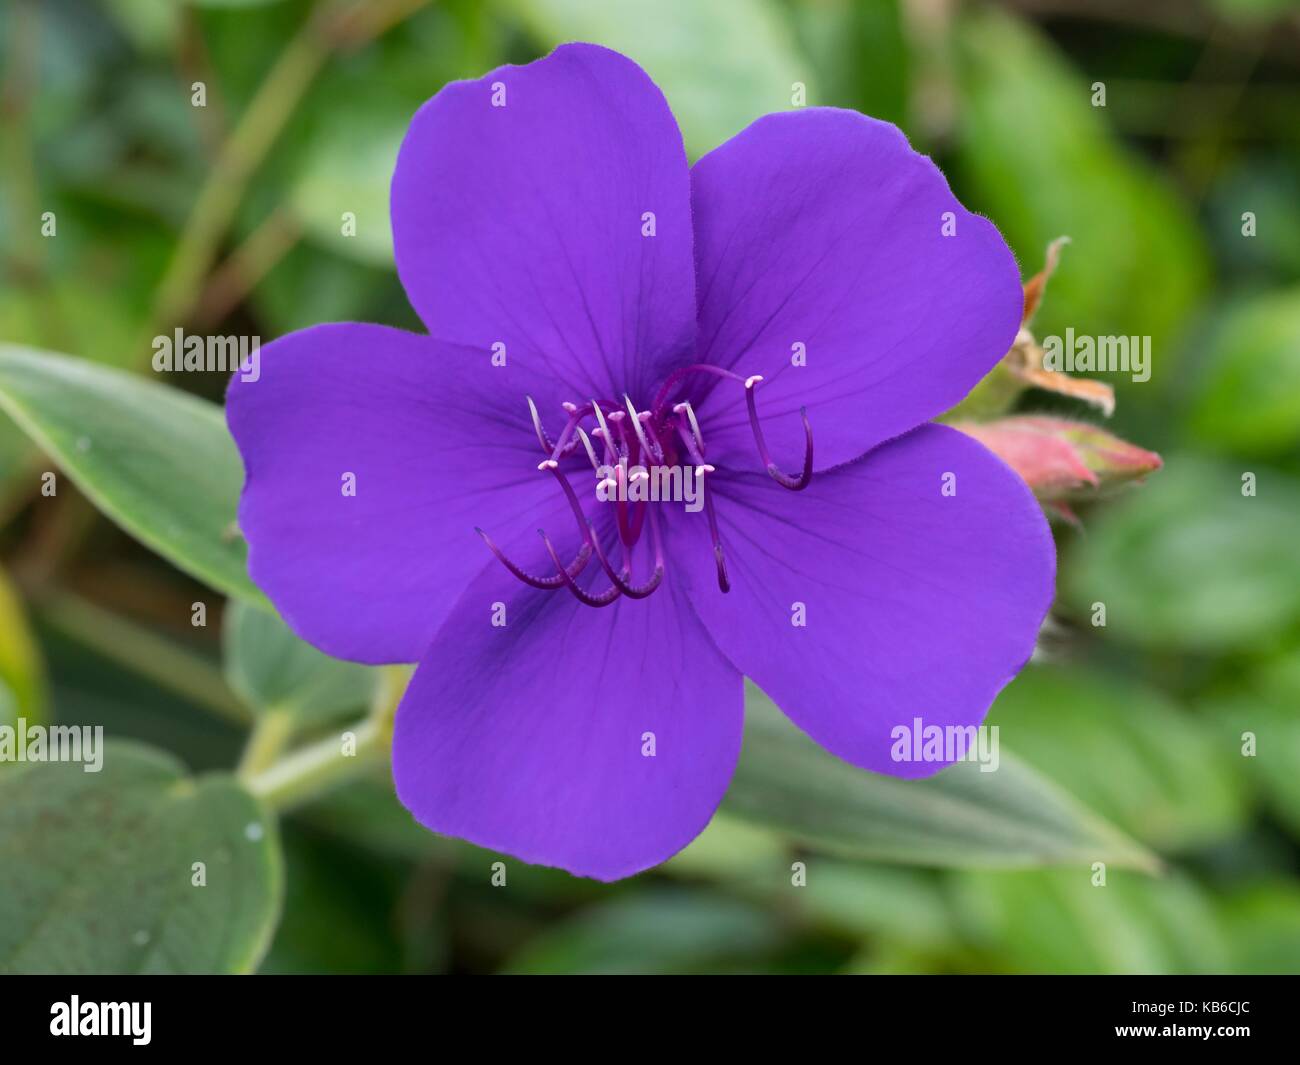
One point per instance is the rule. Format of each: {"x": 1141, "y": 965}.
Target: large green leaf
{"x": 275, "y": 672}
{"x": 1059, "y": 921}
{"x": 1191, "y": 562}
{"x": 960, "y": 817}
{"x": 721, "y": 64}
{"x": 861, "y": 55}
{"x": 1257, "y": 724}
{"x": 1125, "y": 751}
{"x": 157, "y": 461}
{"x": 81, "y": 314}
{"x": 1263, "y": 923}
{"x": 99, "y": 872}
{"x": 1249, "y": 397}
{"x": 854, "y": 898}
{"x": 1041, "y": 162}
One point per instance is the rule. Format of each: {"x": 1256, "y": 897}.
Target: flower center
{"x": 627, "y": 441}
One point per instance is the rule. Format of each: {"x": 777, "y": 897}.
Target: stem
{"x": 270, "y": 734}
{"x": 222, "y": 192}
{"x": 327, "y": 28}
{"x": 247, "y": 265}
{"x": 319, "y": 767}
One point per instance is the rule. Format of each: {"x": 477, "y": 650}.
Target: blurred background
{"x": 224, "y": 218}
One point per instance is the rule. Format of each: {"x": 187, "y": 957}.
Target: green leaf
{"x": 157, "y": 461}
{"x": 721, "y": 64}
{"x": 1190, "y": 562}
{"x": 1263, "y": 924}
{"x": 861, "y": 55}
{"x": 100, "y": 869}
{"x": 960, "y": 817}
{"x": 1056, "y": 921}
{"x": 1042, "y": 162}
{"x": 1249, "y": 396}
{"x": 84, "y": 315}
{"x": 849, "y": 898}
{"x": 15, "y": 453}
{"x": 339, "y": 913}
{"x": 22, "y": 676}
{"x": 274, "y": 671}
{"x": 1257, "y": 724}
{"x": 1125, "y": 751}
{"x": 655, "y": 932}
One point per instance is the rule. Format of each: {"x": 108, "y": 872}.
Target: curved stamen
{"x": 620, "y": 504}
{"x": 600, "y": 420}
{"x": 719, "y": 557}
{"x": 575, "y": 567}
{"x": 591, "y": 541}
{"x": 680, "y": 375}
{"x": 795, "y": 484}
{"x": 603, "y": 599}
{"x": 686, "y": 409}
{"x": 566, "y": 445}
{"x": 656, "y": 444}
{"x": 620, "y": 580}
{"x": 622, "y": 446}
{"x": 640, "y": 429}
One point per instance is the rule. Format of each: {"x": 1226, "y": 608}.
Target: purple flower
{"x": 566, "y": 260}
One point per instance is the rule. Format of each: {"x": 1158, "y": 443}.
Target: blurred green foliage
{"x": 1137, "y": 726}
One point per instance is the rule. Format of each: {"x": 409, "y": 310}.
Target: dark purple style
{"x": 589, "y": 296}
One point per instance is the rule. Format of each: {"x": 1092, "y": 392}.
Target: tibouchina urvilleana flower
{"x": 757, "y": 342}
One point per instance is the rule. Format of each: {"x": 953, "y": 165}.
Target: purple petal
{"x": 529, "y": 738}
{"x": 916, "y": 603}
{"x": 522, "y": 224}
{"x": 435, "y": 448}
{"x": 823, "y": 228}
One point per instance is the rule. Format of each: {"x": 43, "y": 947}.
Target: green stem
{"x": 329, "y": 26}
{"x": 310, "y": 771}
{"x": 319, "y": 767}
{"x": 222, "y": 192}
{"x": 147, "y": 654}
{"x": 269, "y": 737}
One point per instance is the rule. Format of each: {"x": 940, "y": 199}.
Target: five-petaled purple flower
{"x": 590, "y": 297}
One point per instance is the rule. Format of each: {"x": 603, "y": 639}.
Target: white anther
{"x": 750, "y": 382}
{"x": 548, "y": 464}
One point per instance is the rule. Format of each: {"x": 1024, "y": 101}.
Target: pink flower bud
{"x": 1062, "y": 459}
